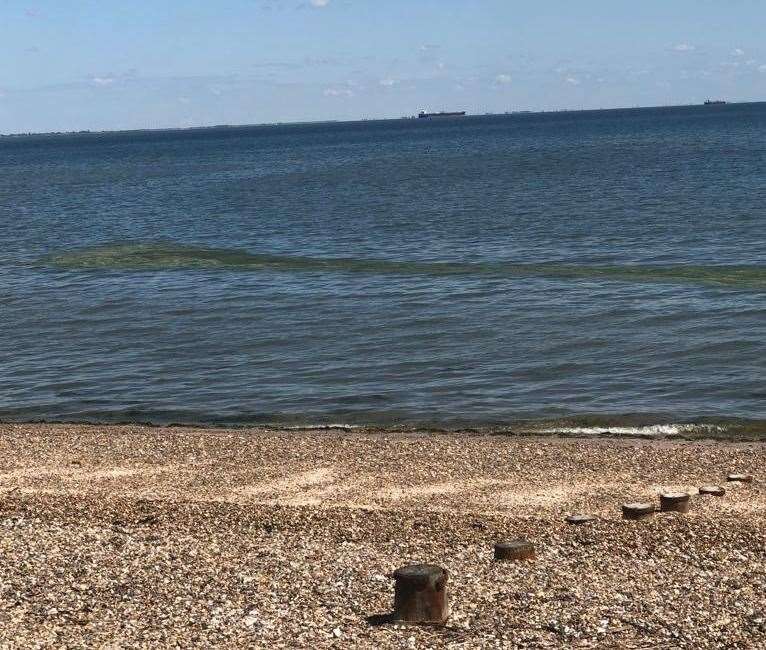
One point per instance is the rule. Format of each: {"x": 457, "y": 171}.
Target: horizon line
{"x": 515, "y": 113}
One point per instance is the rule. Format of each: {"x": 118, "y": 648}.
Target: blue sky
{"x": 87, "y": 64}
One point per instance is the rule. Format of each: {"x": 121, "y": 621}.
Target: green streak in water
{"x": 173, "y": 256}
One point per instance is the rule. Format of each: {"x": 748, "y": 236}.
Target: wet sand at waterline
{"x": 137, "y": 536}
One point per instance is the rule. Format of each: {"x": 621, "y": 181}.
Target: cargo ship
{"x": 714, "y": 102}
{"x": 423, "y": 114}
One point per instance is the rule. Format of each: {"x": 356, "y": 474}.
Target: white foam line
{"x": 651, "y": 430}
{"x": 311, "y": 427}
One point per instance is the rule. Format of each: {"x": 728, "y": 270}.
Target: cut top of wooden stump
{"x": 422, "y": 576}
{"x": 579, "y": 520}
{"x": 639, "y": 510}
{"x": 675, "y": 496}
{"x": 712, "y": 490}
{"x": 517, "y": 549}
{"x": 740, "y": 478}
{"x": 674, "y": 501}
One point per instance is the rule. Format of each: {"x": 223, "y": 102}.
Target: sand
{"x": 146, "y": 537}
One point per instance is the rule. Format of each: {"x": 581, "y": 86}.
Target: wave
{"x": 580, "y": 426}
{"x": 643, "y": 426}
{"x": 649, "y": 431}
{"x": 170, "y": 256}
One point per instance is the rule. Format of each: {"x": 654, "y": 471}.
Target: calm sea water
{"x": 604, "y": 266}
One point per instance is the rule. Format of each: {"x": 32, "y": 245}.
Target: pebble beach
{"x": 132, "y": 536}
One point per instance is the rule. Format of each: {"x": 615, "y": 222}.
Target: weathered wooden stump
{"x": 712, "y": 490}
{"x": 515, "y": 550}
{"x": 579, "y": 520}
{"x": 674, "y": 502}
{"x": 420, "y": 594}
{"x": 740, "y": 478}
{"x": 637, "y": 511}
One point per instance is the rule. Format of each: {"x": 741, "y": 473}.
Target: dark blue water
{"x": 460, "y": 271}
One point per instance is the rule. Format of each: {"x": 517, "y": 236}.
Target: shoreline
{"x": 586, "y": 427}
{"x": 143, "y": 536}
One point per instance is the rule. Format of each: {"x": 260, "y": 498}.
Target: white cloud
{"x": 111, "y": 77}
{"x": 503, "y": 79}
{"x": 335, "y": 92}
{"x": 573, "y": 81}
{"x": 319, "y": 3}
{"x": 762, "y": 68}
{"x": 388, "y": 82}
{"x": 684, "y": 47}
{"x": 738, "y": 52}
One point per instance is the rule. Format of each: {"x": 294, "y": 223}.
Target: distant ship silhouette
{"x": 423, "y": 114}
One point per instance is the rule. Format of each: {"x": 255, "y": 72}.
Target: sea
{"x": 573, "y": 272}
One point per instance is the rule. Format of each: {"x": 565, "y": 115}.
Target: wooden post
{"x": 637, "y": 511}
{"x": 674, "y": 502}
{"x": 712, "y": 490}
{"x": 517, "y": 549}
{"x": 740, "y": 478}
{"x": 420, "y": 594}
